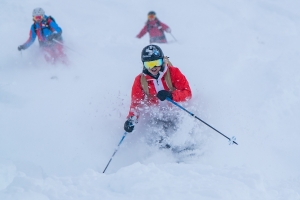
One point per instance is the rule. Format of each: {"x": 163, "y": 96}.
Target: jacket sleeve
{"x": 142, "y": 32}
{"x": 137, "y": 96}
{"x": 182, "y": 90}
{"x": 31, "y": 39}
{"x": 55, "y": 28}
{"x": 164, "y": 26}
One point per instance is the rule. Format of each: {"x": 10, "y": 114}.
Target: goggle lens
{"x": 37, "y": 18}
{"x": 154, "y": 63}
{"x": 151, "y": 16}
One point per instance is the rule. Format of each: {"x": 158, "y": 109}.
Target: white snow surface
{"x": 59, "y": 125}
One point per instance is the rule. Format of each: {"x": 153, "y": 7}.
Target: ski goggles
{"x": 37, "y": 18}
{"x": 151, "y": 17}
{"x": 154, "y": 63}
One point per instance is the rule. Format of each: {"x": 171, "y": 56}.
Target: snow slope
{"x": 60, "y": 124}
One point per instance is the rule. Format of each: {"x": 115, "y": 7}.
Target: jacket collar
{"x": 153, "y": 22}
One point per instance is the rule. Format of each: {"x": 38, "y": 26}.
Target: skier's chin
{"x": 154, "y": 71}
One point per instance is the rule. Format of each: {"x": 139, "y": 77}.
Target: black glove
{"x": 129, "y": 126}
{"x": 21, "y": 47}
{"x": 53, "y": 36}
{"x": 163, "y": 94}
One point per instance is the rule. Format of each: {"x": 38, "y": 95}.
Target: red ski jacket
{"x": 156, "y": 30}
{"x": 139, "y": 99}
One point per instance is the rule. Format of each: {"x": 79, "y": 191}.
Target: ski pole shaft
{"x": 173, "y": 37}
{"x": 115, "y": 151}
{"x": 170, "y": 100}
{"x": 58, "y": 42}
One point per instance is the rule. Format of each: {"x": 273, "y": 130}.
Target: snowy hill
{"x": 60, "y": 124}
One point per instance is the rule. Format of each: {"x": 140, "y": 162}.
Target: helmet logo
{"x": 152, "y": 50}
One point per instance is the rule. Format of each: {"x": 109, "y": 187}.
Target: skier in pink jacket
{"x": 155, "y": 28}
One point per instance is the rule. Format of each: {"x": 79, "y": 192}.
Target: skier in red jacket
{"x": 155, "y": 28}
{"x": 158, "y": 81}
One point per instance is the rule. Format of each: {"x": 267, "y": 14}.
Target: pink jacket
{"x": 155, "y": 28}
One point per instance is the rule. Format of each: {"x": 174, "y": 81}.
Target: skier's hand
{"x": 53, "y": 36}
{"x": 128, "y": 125}
{"x": 163, "y": 94}
{"x": 168, "y": 30}
{"x": 21, "y": 47}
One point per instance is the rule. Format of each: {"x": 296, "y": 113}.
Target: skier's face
{"x": 38, "y": 18}
{"x": 151, "y": 17}
{"x": 154, "y": 71}
{"x": 153, "y": 66}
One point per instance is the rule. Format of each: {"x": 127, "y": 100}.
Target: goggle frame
{"x": 153, "y": 63}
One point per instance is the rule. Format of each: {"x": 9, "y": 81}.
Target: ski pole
{"x": 115, "y": 151}
{"x": 58, "y": 42}
{"x": 231, "y": 140}
{"x": 173, "y": 37}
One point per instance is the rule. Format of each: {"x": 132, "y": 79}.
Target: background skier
{"x": 48, "y": 32}
{"x": 155, "y": 28}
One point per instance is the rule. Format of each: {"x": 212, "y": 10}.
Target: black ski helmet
{"x": 151, "y": 52}
{"x": 151, "y": 13}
